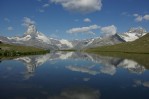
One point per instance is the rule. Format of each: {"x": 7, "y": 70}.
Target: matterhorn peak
{"x": 31, "y": 30}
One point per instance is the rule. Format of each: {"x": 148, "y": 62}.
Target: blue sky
{"x": 73, "y": 19}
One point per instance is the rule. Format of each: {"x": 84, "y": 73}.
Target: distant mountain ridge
{"x": 133, "y": 34}
{"x": 32, "y": 37}
{"x": 140, "y": 45}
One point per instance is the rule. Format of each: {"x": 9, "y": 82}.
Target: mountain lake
{"x": 74, "y": 75}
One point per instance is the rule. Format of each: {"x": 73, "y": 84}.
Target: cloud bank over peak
{"x": 27, "y": 22}
{"x": 140, "y": 18}
{"x": 109, "y": 30}
{"x": 82, "y": 6}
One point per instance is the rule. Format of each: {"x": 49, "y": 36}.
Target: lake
{"x": 73, "y": 75}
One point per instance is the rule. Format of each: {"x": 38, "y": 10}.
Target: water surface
{"x": 73, "y": 75}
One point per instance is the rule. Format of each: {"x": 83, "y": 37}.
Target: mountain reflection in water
{"x": 73, "y": 75}
{"x": 108, "y": 64}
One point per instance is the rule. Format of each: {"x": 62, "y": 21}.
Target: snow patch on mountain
{"x": 26, "y": 38}
{"x": 90, "y": 42}
{"x": 43, "y": 38}
{"x": 31, "y": 35}
{"x": 133, "y": 34}
{"x": 129, "y": 37}
{"x": 31, "y": 30}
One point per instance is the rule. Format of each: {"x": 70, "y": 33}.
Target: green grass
{"x": 137, "y": 50}
{"x": 139, "y": 46}
{"x": 68, "y": 50}
{"x": 14, "y": 50}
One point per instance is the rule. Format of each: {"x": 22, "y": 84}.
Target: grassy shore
{"x": 140, "y": 46}
{"x": 68, "y": 50}
{"x": 7, "y": 50}
{"x": 137, "y": 50}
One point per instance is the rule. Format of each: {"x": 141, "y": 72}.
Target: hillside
{"x": 15, "y": 50}
{"x": 138, "y": 46}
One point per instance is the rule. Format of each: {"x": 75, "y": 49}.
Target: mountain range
{"x": 32, "y": 37}
{"x": 140, "y": 45}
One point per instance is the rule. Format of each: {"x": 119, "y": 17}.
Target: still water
{"x": 72, "y": 75}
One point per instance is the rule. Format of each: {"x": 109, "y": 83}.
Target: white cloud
{"x": 87, "y": 20}
{"x": 125, "y": 14}
{"x": 27, "y": 21}
{"x": 109, "y": 30}
{"x": 135, "y": 15}
{"x": 6, "y": 19}
{"x": 146, "y": 17}
{"x": 45, "y": 5}
{"x": 91, "y": 32}
{"x": 41, "y": 10}
{"x": 82, "y": 6}
{"x": 76, "y": 20}
{"x": 140, "y": 18}
{"x": 87, "y": 30}
{"x": 10, "y": 28}
{"x": 54, "y": 36}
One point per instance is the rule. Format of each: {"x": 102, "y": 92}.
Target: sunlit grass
{"x": 14, "y": 50}
{"x": 139, "y": 46}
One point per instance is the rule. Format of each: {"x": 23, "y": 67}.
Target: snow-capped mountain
{"x": 61, "y": 44}
{"x": 80, "y": 44}
{"x": 31, "y": 34}
{"x": 133, "y": 34}
{"x": 107, "y": 40}
{"x": 99, "y": 41}
{"x": 32, "y": 37}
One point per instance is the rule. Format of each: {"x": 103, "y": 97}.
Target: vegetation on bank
{"x": 68, "y": 50}
{"x": 138, "y": 46}
{"x": 16, "y": 50}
